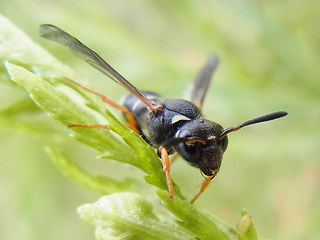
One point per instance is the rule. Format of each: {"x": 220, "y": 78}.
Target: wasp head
{"x": 203, "y": 149}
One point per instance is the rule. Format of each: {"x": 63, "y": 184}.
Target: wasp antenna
{"x": 264, "y": 118}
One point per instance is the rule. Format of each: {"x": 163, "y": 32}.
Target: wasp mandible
{"x": 170, "y": 125}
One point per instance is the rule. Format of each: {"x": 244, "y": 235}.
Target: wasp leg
{"x": 133, "y": 128}
{"x": 203, "y": 187}
{"x": 162, "y": 151}
{"x": 88, "y": 126}
{"x": 133, "y": 124}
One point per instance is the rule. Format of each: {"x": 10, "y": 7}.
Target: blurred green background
{"x": 269, "y": 53}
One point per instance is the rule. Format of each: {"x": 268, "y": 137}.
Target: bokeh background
{"x": 269, "y": 53}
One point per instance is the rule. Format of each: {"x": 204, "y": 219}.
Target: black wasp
{"x": 170, "y": 125}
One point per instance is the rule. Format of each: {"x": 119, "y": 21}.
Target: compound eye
{"x": 190, "y": 151}
{"x": 224, "y": 143}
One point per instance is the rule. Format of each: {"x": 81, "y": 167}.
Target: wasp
{"x": 170, "y": 125}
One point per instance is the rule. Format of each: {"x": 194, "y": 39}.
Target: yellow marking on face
{"x": 211, "y": 138}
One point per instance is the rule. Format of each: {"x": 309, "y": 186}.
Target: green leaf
{"x": 128, "y": 216}
{"x": 198, "y": 223}
{"x": 53, "y": 98}
{"x": 100, "y": 184}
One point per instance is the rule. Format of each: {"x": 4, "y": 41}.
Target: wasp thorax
{"x": 206, "y": 153}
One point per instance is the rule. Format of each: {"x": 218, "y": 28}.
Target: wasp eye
{"x": 190, "y": 151}
{"x": 223, "y": 143}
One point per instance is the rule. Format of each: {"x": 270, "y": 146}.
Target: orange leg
{"x": 203, "y": 187}
{"x": 133, "y": 124}
{"x": 162, "y": 151}
{"x": 133, "y": 128}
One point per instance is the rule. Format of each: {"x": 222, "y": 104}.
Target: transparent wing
{"x": 203, "y": 80}
{"x": 56, "y": 34}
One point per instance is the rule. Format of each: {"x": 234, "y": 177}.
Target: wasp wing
{"x": 203, "y": 80}
{"x": 56, "y": 34}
